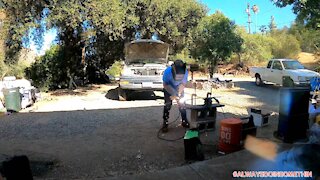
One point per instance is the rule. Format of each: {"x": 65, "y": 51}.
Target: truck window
{"x": 292, "y": 65}
{"x": 269, "y": 64}
{"x": 277, "y": 65}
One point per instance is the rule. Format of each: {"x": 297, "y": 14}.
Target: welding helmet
{"x": 178, "y": 70}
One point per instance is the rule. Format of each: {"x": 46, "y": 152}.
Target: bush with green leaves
{"x": 259, "y": 48}
{"x": 285, "y": 45}
{"x": 12, "y": 69}
{"x": 256, "y": 48}
{"x": 16, "y": 70}
{"x": 115, "y": 69}
{"x": 215, "y": 39}
{"x": 49, "y": 71}
{"x": 309, "y": 38}
{"x": 183, "y": 55}
{"x": 3, "y": 67}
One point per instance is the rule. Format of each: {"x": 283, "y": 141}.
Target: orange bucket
{"x": 230, "y": 135}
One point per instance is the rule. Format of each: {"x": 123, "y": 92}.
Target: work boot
{"x": 185, "y": 124}
{"x": 164, "y": 128}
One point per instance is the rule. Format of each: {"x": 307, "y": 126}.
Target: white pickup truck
{"x": 277, "y": 69}
{"x": 145, "y": 62}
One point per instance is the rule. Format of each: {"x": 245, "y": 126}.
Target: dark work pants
{"x": 167, "y": 107}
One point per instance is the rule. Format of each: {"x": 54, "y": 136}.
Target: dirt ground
{"x": 89, "y": 134}
{"x": 309, "y": 60}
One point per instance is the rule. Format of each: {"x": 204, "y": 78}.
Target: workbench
{"x": 203, "y": 117}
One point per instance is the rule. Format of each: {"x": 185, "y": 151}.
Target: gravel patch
{"x": 89, "y": 134}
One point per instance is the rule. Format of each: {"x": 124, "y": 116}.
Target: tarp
{"x": 315, "y": 83}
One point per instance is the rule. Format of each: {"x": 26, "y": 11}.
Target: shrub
{"x": 49, "y": 71}
{"x": 115, "y": 69}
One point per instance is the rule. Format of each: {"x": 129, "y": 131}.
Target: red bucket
{"x": 230, "y": 135}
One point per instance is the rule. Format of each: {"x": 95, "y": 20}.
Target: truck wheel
{"x": 259, "y": 82}
{"x": 287, "y": 82}
{"x": 123, "y": 95}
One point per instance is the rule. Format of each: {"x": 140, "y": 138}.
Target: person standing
{"x": 175, "y": 78}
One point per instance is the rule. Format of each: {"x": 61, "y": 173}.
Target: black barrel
{"x": 293, "y": 113}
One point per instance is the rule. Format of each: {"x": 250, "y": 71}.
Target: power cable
{"x": 170, "y": 140}
{"x": 179, "y": 138}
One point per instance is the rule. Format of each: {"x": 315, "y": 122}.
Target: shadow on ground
{"x": 268, "y": 94}
{"x": 40, "y": 165}
{"x": 145, "y": 95}
{"x": 80, "y": 91}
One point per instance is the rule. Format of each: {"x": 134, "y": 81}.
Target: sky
{"x": 49, "y": 38}
{"x": 235, "y": 10}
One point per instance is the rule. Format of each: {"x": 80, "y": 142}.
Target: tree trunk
{"x": 239, "y": 56}
{"x": 213, "y": 65}
{"x": 211, "y": 69}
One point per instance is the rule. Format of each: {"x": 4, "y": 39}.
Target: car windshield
{"x": 292, "y": 65}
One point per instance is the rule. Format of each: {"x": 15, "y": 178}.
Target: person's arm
{"x": 181, "y": 89}
{"x": 166, "y": 81}
{"x": 183, "y": 84}
{"x": 170, "y": 90}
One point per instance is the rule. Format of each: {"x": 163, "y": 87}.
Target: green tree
{"x": 78, "y": 22}
{"x": 285, "y": 45}
{"x": 92, "y": 33}
{"x": 272, "y": 24}
{"x": 215, "y": 40}
{"x": 48, "y": 72}
{"x": 256, "y": 48}
{"x": 20, "y": 16}
{"x": 309, "y": 38}
{"x": 307, "y": 11}
{"x": 171, "y": 20}
{"x": 185, "y": 55}
{"x": 89, "y": 32}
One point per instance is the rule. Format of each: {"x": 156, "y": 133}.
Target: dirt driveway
{"x": 90, "y": 134}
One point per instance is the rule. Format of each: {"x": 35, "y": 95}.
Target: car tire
{"x": 288, "y": 83}
{"x": 122, "y": 94}
{"x": 259, "y": 81}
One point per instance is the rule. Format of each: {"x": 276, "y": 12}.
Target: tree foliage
{"x": 171, "y": 20}
{"x": 285, "y": 45}
{"x": 115, "y": 69}
{"x": 272, "y": 24}
{"x": 20, "y": 16}
{"x": 307, "y": 10}
{"x": 309, "y": 38}
{"x": 256, "y": 48}
{"x": 215, "y": 39}
{"x": 49, "y": 71}
{"x": 89, "y": 32}
{"x": 92, "y": 33}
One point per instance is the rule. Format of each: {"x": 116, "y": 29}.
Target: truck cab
{"x": 278, "y": 69}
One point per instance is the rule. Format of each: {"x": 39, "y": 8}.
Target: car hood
{"x": 304, "y": 72}
{"x": 146, "y": 51}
